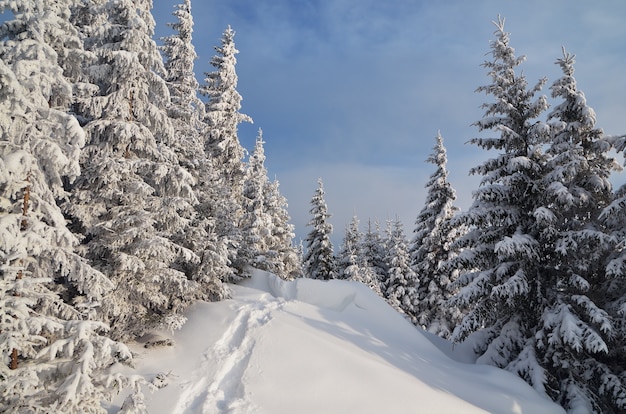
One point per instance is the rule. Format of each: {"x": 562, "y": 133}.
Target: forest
{"x": 126, "y": 197}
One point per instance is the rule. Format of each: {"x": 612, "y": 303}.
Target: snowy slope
{"x": 310, "y": 346}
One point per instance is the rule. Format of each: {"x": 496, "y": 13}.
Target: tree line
{"x": 533, "y": 274}
{"x": 124, "y": 197}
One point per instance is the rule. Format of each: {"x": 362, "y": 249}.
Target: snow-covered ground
{"x": 311, "y": 346}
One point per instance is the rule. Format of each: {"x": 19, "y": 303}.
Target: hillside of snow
{"x": 311, "y": 346}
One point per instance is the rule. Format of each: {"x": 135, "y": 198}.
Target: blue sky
{"x": 354, "y": 91}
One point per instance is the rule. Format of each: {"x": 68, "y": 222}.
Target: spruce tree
{"x": 373, "y": 252}
{"x": 430, "y": 249}
{"x": 286, "y": 260}
{"x": 348, "y": 256}
{"x": 187, "y": 113}
{"x": 256, "y": 223}
{"x": 501, "y": 280}
{"x": 319, "y": 259}
{"x": 402, "y": 281}
{"x": 352, "y": 261}
{"x": 133, "y": 197}
{"x": 55, "y": 357}
{"x": 575, "y": 332}
{"x": 223, "y": 147}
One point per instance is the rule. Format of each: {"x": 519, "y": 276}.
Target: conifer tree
{"x": 575, "y": 332}
{"x": 256, "y": 224}
{"x": 133, "y": 197}
{"x": 187, "y": 112}
{"x": 223, "y": 146}
{"x": 286, "y": 259}
{"x": 501, "y": 283}
{"x": 402, "y": 281}
{"x": 319, "y": 259}
{"x": 54, "y": 354}
{"x": 430, "y": 248}
{"x": 373, "y": 252}
{"x": 347, "y": 259}
{"x": 352, "y": 262}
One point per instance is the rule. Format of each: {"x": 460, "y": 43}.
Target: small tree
{"x": 256, "y": 223}
{"x": 286, "y": 259}
{"x": 402, "y": 281}
{"x": 430, "y": 249}
{"x": 319, "y": 260}
{"x": 373, "y": 252}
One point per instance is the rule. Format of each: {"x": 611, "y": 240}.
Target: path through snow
{"x": 223, "y": 390}
{"x": 311, "y": 347}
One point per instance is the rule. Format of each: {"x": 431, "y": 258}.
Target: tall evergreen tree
{"x": 532, "y": 261}
{"x": 133, "y": 196}
{"x": 187, "y": 112}
{"x": 501, "y": 282}
{"x": 319, "y": 259}
{"x": 223, "y": 146}
{"x": 430, "y": 248}
{"x": 575, "y": 332}
{"x": 54, "y": 355}
{"x": 402, "y": 281}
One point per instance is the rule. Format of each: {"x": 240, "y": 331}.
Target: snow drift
{"x": 310, "y": 346}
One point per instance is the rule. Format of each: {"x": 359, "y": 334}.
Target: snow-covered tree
{"x": 286, "y": 259}
{"x": 133, "y": 197}
{"x": 352, "y": 263}
{"x": 223, "y": 146}
{"x": 532, "y": 262}
{"x": 319, "y": 259}
{"x": 54, "y": 356}
{"x": 500, "y": 260}
{"x": 402, "y": 281}
{"x": 575, "y": 331}
{"x": 348, "y": 256}
{"x": 186, "y": 109}
{"x": 430, "y": 248}
{"x": 373, "y": 252}
{"x": 256, "y": 223}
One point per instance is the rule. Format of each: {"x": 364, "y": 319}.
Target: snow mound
{"x": 309, "y": 346}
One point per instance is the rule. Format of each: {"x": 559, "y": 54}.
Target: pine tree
{"x": 500, "y": 260}
{"x": 185, "y": 105}
{"x": 54, "y": 356}
{"x": 133, "y": 197}
{"x": 575, "y": 331}
{"x": 373, "y": 252}
{"x": 286, "y": 259}
{"x": 348, "y": 256}
{"x": 430, "y": 248}
{"x": 256, "y": 223}
{"x": 352, "y": 262}
{"x": 402, "y": 281}
{"x": 187, "y": 112}
{"x": 223, "y": 146}
{"x": 319, "y": 259}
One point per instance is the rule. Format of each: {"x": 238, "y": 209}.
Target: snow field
{"x": 310, "y": 346}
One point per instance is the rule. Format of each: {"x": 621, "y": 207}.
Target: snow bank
{"x": 310, "y": 346}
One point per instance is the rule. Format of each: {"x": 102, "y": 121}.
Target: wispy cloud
{"x": 355, "y": 90}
